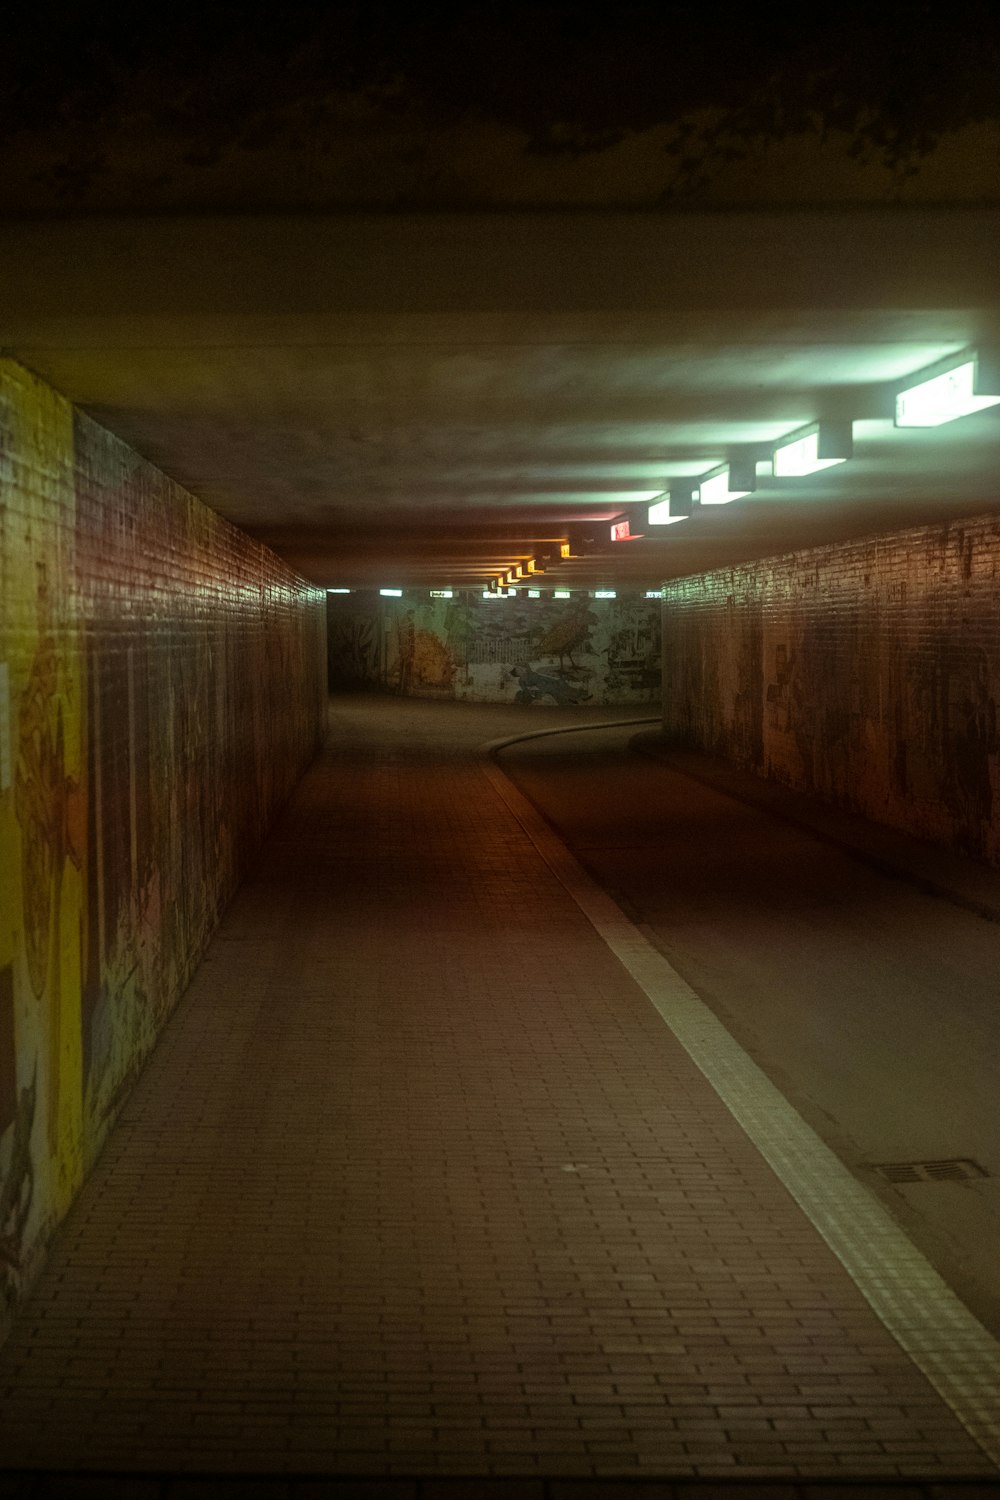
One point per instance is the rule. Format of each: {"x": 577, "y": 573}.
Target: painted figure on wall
{"x": 568, "y": 634}
{"x": 46, "y": 800}
{"x": 499, "y": 650}
{"x": 49, "y": 809}
{"x": 535, "y": 685}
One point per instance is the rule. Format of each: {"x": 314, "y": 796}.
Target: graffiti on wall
{"x": 160, "y": 687}
{"x": 871, "y": 668}
{"x": 499, "y": 650}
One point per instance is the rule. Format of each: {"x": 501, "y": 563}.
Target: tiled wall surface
{"x": 498, "y": 650}
{"x": 161, "y": 689}
{"x": 867, "y": 673}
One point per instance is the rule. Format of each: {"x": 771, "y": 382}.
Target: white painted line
{"x": 959, "y": 1357}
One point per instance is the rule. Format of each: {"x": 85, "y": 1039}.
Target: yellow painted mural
{"x": 161, "y": 690}
{"x": 41, "y": 822}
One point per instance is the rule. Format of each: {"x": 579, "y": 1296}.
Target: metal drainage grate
{"x": 959, "y": 1169}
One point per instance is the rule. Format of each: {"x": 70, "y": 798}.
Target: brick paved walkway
{"x": 418, "y": 1183}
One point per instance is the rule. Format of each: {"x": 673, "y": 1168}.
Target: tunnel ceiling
{"x": 411, "y": 293}
{"x": 428, "y": 399}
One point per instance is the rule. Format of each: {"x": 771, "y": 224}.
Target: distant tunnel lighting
{"x": 338, "y": 591}
{"x": 605, "y": 594}
{"x": 715, "y": 488}
{"x": 561, "y": 594}
{"x": 826, "y": 445}
{"x": 534, "y": 593}
{"x": 391, "y": 593}
{"x": 442, "y": 593}
{"x": 654, "y": 593}
{"x": 943, "y": 398}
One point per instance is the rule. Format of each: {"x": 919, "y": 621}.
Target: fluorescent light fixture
{"x": 442, "y": 593}
{"x": 511, "y": 594}
{"x": 715, "y": 489}
{"x": 654, "y": 594}
{"x": 534, "y": 593}
{"x": 943, "y": 398}
{"x": 391, "y": 593}
{"x": 564, "y": 549}
{"x": 659, "y": 514}
{"x": 338, "y": 591}
{"x": 561, "y": 594}
{"x": 819, "y": 447}
{"x": 488, "y": 595}
{"x": 605, "y": 594}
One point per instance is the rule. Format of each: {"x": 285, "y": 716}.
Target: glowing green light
{"x": 942, "y": 399}
{"x": 659, "y": 515}
{"x": 802, "y": 456}
{"x": 715, "y": 489}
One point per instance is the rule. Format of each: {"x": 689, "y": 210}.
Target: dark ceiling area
{"x": 418, "y": 295}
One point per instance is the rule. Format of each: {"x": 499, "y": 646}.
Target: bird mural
{"x": 568, "y": 634}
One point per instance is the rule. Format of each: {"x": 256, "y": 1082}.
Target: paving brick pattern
{"x": 418, "y": 1183}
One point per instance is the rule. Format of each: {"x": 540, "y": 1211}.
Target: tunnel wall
{"x": 867, "y": 673}
{"x": 161, "y": 690}
{"x": 497, "y": 650}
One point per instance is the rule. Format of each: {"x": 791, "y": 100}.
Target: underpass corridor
{"x": 421, "y": 1187}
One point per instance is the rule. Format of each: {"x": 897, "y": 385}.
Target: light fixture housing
{"x": 676, "y": 506}
{"x": 971, "y": 384}
{"x": 728, "y": 482}
{"x": 813, "y": 448}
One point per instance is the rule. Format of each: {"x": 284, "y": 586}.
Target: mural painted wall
{"x": 868, "y": 673}
{"x": 520, "y": 650}
{"x": 161, "y": 690}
